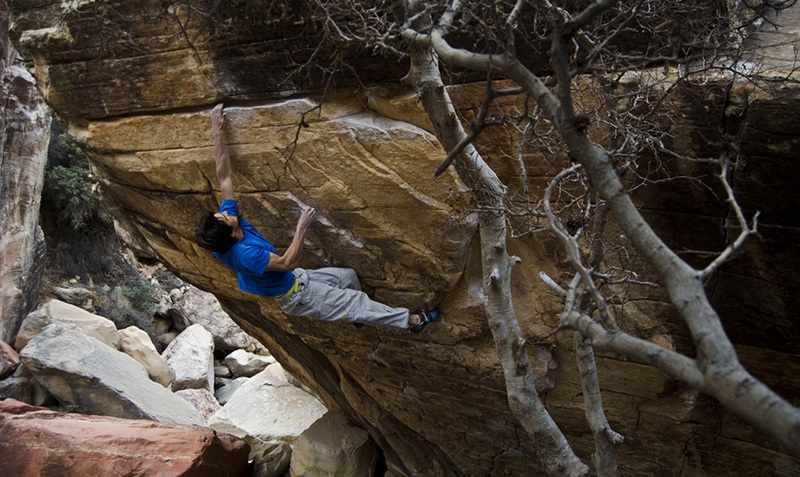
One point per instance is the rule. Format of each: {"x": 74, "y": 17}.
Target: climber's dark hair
{"x": 214, "y": 234}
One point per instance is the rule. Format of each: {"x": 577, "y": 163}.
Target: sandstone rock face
{"x": 435, "y": 403}
{"x": 24, "y": 136}
{"x": 36, "y": 441}
{"x": 83, "y": 372}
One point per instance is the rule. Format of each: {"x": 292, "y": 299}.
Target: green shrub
{"x": 144, "y": 297}
{"x": 71, "y": 192}
{"x": 67, "y": 186}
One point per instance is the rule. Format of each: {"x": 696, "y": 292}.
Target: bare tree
{"x": 555, "y": 57}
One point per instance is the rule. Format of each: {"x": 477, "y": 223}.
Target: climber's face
{"x": 231, "y": 221}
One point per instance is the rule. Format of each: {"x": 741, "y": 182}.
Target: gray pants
{"x": 332, "y": 294}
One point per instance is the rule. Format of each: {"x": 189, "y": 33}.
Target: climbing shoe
{"x": 425, "y": 317}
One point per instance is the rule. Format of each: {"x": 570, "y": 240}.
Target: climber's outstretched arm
{"x": 221, "y": 156}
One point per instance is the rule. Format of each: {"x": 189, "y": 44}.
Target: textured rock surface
{"x": 191, "y": 358}
{"x": 268, "y": 409}
{"x": 35, "y": 441}
{"x": 9, "y": 359}
{"x": 272, "y": 460}
{"x": 137, "y": 344}
{"x": 198, "y": 307}
{"x": 16, "y": 388}
{"x": 224, "y": 393}
{"x": 81, "y": 371}
{"x": 55, "y": 311}
{"x": 201, "y": 399}
{"x": 435, "y": 403}
{"x": 242, "y": 363}
{"x": 24, "y": 136}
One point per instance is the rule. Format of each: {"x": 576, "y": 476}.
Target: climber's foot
{"x": 425, "y": 317}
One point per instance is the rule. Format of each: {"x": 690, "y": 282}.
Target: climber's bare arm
{"x": 291, "y": 258}
{"x": 221, "y": 155}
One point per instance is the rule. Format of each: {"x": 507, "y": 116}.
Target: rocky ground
{"x": 139, "y": 355}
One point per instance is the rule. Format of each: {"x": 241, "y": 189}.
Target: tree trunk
{"x": 551, "y": 445}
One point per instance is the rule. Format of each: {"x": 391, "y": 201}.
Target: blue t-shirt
{"x": 250, "y": 256}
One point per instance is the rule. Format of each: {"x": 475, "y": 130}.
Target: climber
{"x": 328, "y": 294}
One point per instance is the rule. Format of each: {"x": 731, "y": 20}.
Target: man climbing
{"x": 327, "y": 294}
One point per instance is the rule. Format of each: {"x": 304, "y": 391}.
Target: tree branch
{"x": 477, "y": 126}
{"x": 746, "y": 231}
{"x": 673, "y": 364}
{"x": 572, "y": 248}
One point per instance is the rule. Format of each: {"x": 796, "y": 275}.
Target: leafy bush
{"x": 144, "y": 297}
{"x": 71, "y": 193}
{"x": 67, "y": 186}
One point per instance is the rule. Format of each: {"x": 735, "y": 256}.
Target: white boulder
{"x": 56, "y": 311}
{"x": 241, "y": 363}
{"x": 83, "y": 372}
{"x": 268, "y": 409}
{"x": 191, "y": 358}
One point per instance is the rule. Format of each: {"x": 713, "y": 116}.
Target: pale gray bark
{"x": 605, "y": 439}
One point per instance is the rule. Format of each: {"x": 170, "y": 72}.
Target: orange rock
{"x": 37, "y": 441}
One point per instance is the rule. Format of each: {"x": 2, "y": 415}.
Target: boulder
{"x": 274, "y": 374}
{"x": 17, "y": 389}
{"x": 9, "y": 360}
{"x": 200, "y": 399}
{"x": 268, "y": 410}
{"x": 77, "y": 296}
{"x": 37, "y": 394}
{"x": 224, "y": 393}
{"x": 191, "y": 357}
{"x": 222, "y": 371}
{"x": 56, "y": 311}
{"x": 241, "y": 363}
{"x": 84, "y": 373}
{"x": 332, "y": 447}
{"x": 137, "y": 344}
{"x": 199, "y": 307}
{"x": 270, "y": 459}
{"x": 277, "y": 376}
{"x": 36, "y": 441}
